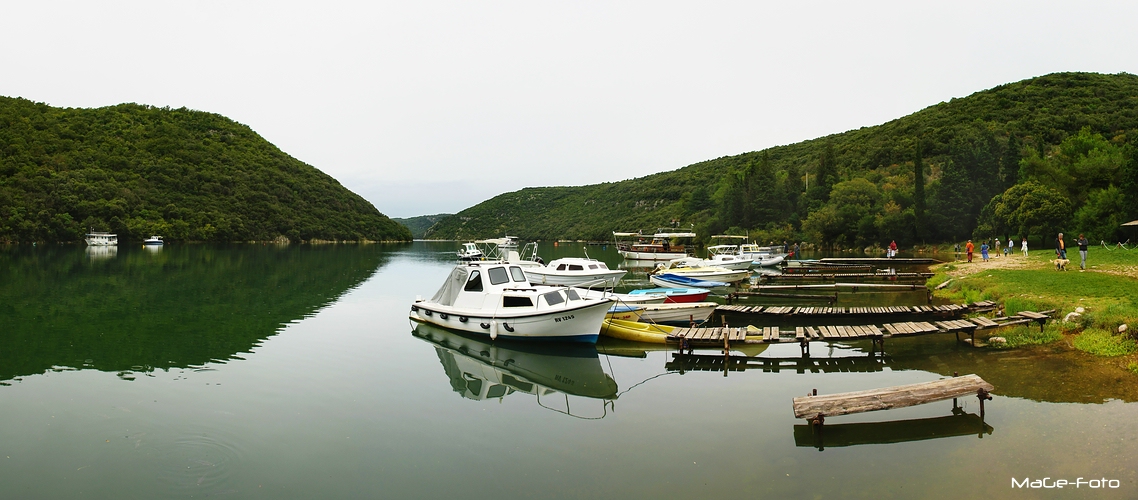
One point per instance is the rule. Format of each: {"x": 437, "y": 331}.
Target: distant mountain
{"x": 1066, "y": 135}
{"x": 419, "y": 225}
{"x": 138, "y": 170}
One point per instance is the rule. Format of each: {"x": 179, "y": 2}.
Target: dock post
{"x": 982, "y": 395}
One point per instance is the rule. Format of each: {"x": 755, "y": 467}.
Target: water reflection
{"x": 896, "y": 431}
{"x": 481, "y": 370}
{"x": 78, "y": 308}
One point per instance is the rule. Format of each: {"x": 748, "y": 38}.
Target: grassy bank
{"x": 1107, "y": 292}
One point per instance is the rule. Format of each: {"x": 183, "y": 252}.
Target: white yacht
{"x": 575, "y": 271}
{"x": 496, "y": 299}
{"x": 153, "y": 240}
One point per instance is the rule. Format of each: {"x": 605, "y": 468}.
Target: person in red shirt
{"x": 969, "y": 248}
{"x": 893, "y": 249}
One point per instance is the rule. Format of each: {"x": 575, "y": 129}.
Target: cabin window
{"x": 474, "y": 385}
{"x": 572, "y": 294}
{"x": 592, "y": 266}
{"x": 473, "y": 282}
{"x": 498, "y": 275}
{"x": 508, "y": 301}
{"x": 575, "y": 267}
{"x": 553, "y": 298}
{"x": 561, "y": 267}
{"x": 496, "y": 391}
{"x": 518, "y": 274}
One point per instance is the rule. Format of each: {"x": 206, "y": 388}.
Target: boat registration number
{"x": 563, "y": 318}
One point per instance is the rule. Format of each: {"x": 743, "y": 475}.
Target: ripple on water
{"x": 201, "y": 462}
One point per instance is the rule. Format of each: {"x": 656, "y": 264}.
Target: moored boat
{"x": 675, "y": 295}
{"x": 575, "y": 271}
{"x": 96, "y": 239}
{"x": 677, "y": 281}
{"x": 688, "y": 314}
{"x": 636, "y": 331}
{"x": 496, "y": 299}
{"x": 696, "y": 268}
{"x": 153, "y": 240}
{"x": 665, "y": 244}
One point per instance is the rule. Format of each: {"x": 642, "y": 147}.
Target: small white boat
{"x": 153, "y": 240}
{"x": 495, "y": 299}
{"x": 727, "y": 255}
{"x": 697, "y": 268}
{"x": 684, "y": 314}
{"x": 763, "y": 256}
{"x": 102, "y": 239}
{"x": 470, "y": 251}
{"x": 575, "y": 271}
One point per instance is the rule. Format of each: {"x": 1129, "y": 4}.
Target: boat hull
{"x": 636, "y": 332}
{"x": 681, "y": 282}
{"x": 577, "y": 324}
{"x": 679, "y": 314}
{"x": 677, "y": 295}
{"x": 541, "y": 276}
{"x": 634, "y": 255}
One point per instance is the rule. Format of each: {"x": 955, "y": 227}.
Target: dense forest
{"x": 419, "y": 225}
{"x": 1031, "y": 158}
{"x": 138, "y": 170}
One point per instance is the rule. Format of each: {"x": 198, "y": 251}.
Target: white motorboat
{"x": 727, "y": 255}
{"x": 665, "y": 244}
{"x": 575, "y": 271}
{"x": 470, "y": 251}
{"x": 698, "y": 269}
{"x": 153, "y": 240}
{"x": 762, "y": 255}
{"x": 497, "y": 300}
{"x": 102, "y": 239}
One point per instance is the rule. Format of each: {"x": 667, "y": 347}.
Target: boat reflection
{"x": 102, "y": 252}
{"x": 897, "y": 431}
{"x": 482, "y": 370}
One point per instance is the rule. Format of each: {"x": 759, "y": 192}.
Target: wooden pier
{"x": 803, "y": 335}
{"x": 896, "y": 261}
{"x": 947, "y": 310}
{"x": 889, "y": 397}
{"x": 845, "y": 277}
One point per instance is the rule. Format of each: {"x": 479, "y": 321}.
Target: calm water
{"x": 264, "y": 372}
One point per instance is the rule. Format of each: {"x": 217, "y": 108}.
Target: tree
{"x": 1009, "y": 163}
{"x": 918, "y": 192}
{"x": 1027, "y": 209}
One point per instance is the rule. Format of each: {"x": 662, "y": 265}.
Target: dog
{"x": 1061, "y": 264}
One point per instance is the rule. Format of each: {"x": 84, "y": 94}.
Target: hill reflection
{"x": 187, "y": 305}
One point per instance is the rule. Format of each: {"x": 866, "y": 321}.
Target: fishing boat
{"x": 102, "y": 239}
{"x": 693, "y": 313}
{"x": 495, "y": 299}
{"x": 675, "y": 295}
{"x": 481, "y": 370}
{"x": 665, "y": 244}
{"x": 575, "y": 271}
{"x": 153, "y": 241}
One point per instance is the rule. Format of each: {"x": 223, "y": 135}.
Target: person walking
{"x": 984, "y": 251}
{"x": 968, "y": 248}
{"x": 1023, "y": 246}
{"x": 1082, "y": 242}
{"x": 1060, "y": 248}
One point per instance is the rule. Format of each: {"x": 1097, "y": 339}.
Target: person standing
{"x": 893, "y": 249}
{"x": 1023, "y": 246}
{"x": 996, "y": 249}
{"x": 1060, "y": 248}
{"x": 984, "y": 251}
{"x": 1082, "y": 242}
{"x": 968, "y": 248}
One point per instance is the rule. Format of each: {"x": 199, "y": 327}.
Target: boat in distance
{"x": 96, "y": 239}
{"x": 660, "y": 247}
{"x": 153, "y": 240}
{"x": 496, "y": 299}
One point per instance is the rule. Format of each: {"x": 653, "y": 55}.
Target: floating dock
{"x": 946, "y": 310}
{"x": 896, "y": 261}
{"x": 845, "y": 277}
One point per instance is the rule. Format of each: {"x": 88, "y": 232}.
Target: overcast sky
{"x": 431, "y": 107}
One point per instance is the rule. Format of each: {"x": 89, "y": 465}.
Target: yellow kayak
{"x": 636, "y": 331}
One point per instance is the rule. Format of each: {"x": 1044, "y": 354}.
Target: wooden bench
{"x": 1038, "y": 317}
{"x": 891, "y": 397}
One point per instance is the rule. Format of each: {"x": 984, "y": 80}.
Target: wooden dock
{"x": 845, "y": 277}
{"x": 803, "y": 335}
{"x": 947, "y": 310}
{"x": 889, "y": 397}
{"x": 896, "y": 261}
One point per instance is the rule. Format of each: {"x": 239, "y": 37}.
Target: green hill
{"x": 188, "y": 175}
{"x": 1062, "y": 141}
{"x": 419, "y": 225}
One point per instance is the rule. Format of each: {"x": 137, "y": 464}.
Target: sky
{"x": 428, "y": 107}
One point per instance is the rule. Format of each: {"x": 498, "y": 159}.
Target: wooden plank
{"x": 889, "y": 397}
{"x": 799, "y": 333}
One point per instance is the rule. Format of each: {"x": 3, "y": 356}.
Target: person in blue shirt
{"x": 984, "y": 251}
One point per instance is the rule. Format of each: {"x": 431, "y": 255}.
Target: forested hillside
{"x": 188, "y": 175}
{"x": 419, "y": 225}
{"x": 1048, "y": 154}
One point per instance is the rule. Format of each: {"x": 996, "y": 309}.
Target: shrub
{"x": 1103, "y": 343}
